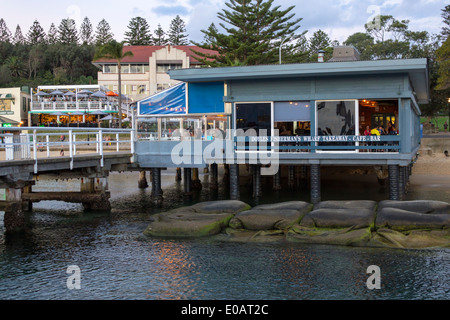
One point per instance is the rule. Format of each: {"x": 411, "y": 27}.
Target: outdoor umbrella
{"x": 41, "y": 94}
{"x": 99, "y": 94}
{"x": 57, "y": 93}
{"x": 110, "y": 117}
{"x": 112, "y": 94}
{"x": 86, "y": 92}
{"x": 77, "y": 113}
{"x": 98, "y": 113}
{"x": 69, "y": 93}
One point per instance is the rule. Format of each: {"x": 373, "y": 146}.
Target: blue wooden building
{"x": 309, "y": 115}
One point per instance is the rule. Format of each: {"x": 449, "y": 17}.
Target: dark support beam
{"x": 315, "y": 184}
{"x": 257, "y": 189}
{"x": 277, "y": 180}
{"x": 394, "y": 175}
{"x": 291, "y": 176}
{"x": 142, "y": 182}
{"x": 156, "y": 184}
{"x": 234, "y": 182}
{"x": 187, "y": 181}
{"x": 178, "y": 175}
{"x": 401, "y": 183}
{"x": 213, "y": 176}
{"x": 196, "y": 183}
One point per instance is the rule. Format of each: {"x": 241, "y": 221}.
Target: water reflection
{"x": 118, "y": 262}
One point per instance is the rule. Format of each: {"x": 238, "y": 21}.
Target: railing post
{"x": 47, "y": 140}
{"x": 71, "y": 149}
{"x": 75, "y": 144}
{"x": 117, "y": 142}
{"x": 35, "y": 150}
{"x": 132, "y": 140}
{"x": 100, "y": 142}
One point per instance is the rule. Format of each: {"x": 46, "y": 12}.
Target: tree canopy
{"x": 253, "y": 33}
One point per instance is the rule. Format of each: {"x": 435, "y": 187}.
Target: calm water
{"x": 118, "y": 262}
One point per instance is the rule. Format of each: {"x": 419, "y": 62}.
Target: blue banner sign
{"x": 168, "y": 102}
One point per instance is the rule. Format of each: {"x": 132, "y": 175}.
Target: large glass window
{"x": 336, "y": 118}
{"x": 164, "y": 67}
{"x": 257, "y": 116}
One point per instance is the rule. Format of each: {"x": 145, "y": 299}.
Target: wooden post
{"x": 142, "y": 182}
{"x": 14, "y": 219}
{"x": 196, "y": 183}
{"x": 394, "y": 192}
{"x": 277, "y": 180}
{"x": 234, "y": 182}
{"x": 213, "y": 176}
{"x": 256, "y": 172}
{"x": 187, "y": 181}
{"x": 156, "y": 183}
{"x": 315, "y": 184}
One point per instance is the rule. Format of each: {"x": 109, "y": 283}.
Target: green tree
{"x": 319, "y": 41}
{"x": 5, "y": 33}
{"x": 160, "y": 37}
{"x": 138, "y": 33}
{"x": 36, "y": 34}
{"x": 67, "y": 31}
{"x": 114, "y": 50}
{"x": 86, "y": 32}
{"x": 254, "y": 31}
{"x": 446, "y": 15}
{"x": 52, "y": 34}
{"x": 103, "y": 33}
{"x": 18, "y": 36}
{"x": 177, "y": 32}
{"x": 15, "y": 66}
{"x": 443, "y": 57}
{"x": 363, "y": 42}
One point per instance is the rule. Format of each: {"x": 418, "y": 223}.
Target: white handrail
{"x": 41, "y": 139}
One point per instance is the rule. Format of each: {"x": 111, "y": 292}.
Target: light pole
{"x": 281, "y": 46}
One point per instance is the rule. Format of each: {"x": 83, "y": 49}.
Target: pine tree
{"x": 254, "y": 31}
{"x": 207, "y": 38}
{"x": 177, "y": 32}
{"x": 52, "y": 35}
{"x": 86, "y": 32}
{"x": 18, "y": 36}
{"x": 36, "y": 34}
{"x": 446, "y": 15}
{"x": 5, "y": 34}
{"x": 160, "y": 37}
{"x": 138, "y": 33}
{"x": 319, "y": 41}
{"x": 103, "y": 33}
{"x": 67, "y": 32}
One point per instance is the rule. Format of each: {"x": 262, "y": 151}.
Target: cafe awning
{"x": 6, "y": 96}
{"x": 8, "y": 120}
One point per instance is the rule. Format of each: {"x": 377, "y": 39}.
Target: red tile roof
{"x": 143, "y": 53}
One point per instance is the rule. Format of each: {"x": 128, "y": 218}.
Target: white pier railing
{"x": 34, "y": 143}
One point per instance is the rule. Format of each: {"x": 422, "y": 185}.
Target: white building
{"x": 145, "y": 73}
{"x": 14, "y": 106}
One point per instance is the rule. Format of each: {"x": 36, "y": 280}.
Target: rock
{"x": 341, "y": 214}
{"x": 416, "y": 239}
{"x": 199, "y": 220}
{"x": 419, "y": 206}
{"x": 343, "y": 237}
{"x": 413, "y": 215}
{"x": 279, "y": 216}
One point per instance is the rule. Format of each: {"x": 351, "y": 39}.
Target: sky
{"x": 338, "y": 18}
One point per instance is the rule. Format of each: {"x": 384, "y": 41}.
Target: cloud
{"x": 172, "y": 10}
